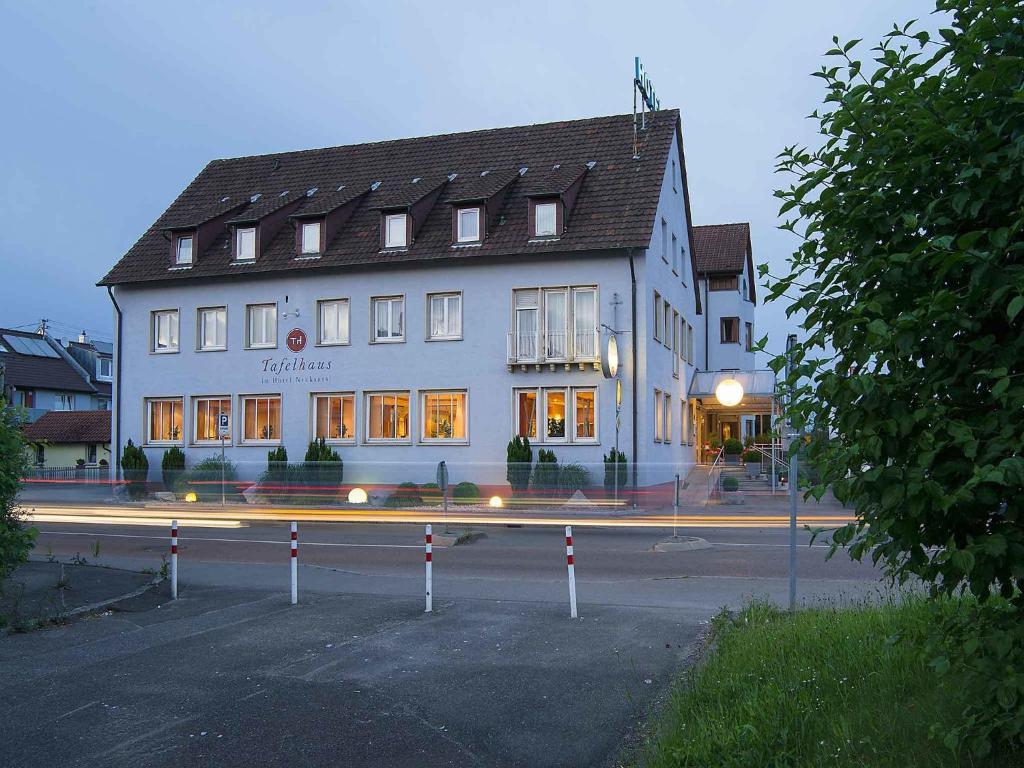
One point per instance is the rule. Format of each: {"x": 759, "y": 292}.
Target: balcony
{"x": 554, "y": 347}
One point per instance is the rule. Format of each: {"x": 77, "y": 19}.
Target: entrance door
{"x": 729, "y": 429}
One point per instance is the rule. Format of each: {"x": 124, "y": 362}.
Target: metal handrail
{"x": 714, "y": 482}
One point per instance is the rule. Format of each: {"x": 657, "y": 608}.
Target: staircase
{"x": 747, "y": 486}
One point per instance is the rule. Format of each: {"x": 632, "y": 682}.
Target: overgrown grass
{"x": 829, "y": 687}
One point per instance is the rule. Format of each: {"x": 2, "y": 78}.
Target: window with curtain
{"x": 445, "y": 415}
{"x": 526, "y": 413}
{"x": 165, "y": 331}
{"x": 262, "y": 325}
{"x": 311, "y": 238}
{"x": 585, "y": 414}
{"x": 526, "y": 305}
{"x": 334, "y": 417}
{"x": 205, "y": 411}
{"x": 213, "y": 328}
{"x": 164, "y": 420}
{"x": 555, "y": 323}
{"x": 468, "y": 227}
{"x": 262, "y": 419}
{"x": 387, "y": 416}
{"x": 245, "y": 244}
{"x": 396, "y": 230}
{"x": 445, "y": 315}
{"x": 333, "y": 322}
{"x": 659, "y": 416}
{"x": 388, "y": 318}
{"x": 183, "y": 254}
{"x": 554, "y": 414}
{"x": 584, "y": 322}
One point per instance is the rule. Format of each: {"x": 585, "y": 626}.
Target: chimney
{"x": 83, "y": 338}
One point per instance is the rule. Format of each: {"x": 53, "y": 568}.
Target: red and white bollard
{"x": 428, "y": 540}
{"x": 174, "y": 559}
{"x": 295, "y": 562}
{"x": 572, "y": 571}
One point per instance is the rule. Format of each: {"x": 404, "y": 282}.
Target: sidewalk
{"x": 41, "y": 591}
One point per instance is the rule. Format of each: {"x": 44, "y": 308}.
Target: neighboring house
{"x": 40, "y": 376}
{"x": 63, "y": 438}
{"x": 420, "y": 300}
{"x": 97, "y": 359}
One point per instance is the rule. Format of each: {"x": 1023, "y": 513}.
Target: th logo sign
{"x": 296, "y": 340}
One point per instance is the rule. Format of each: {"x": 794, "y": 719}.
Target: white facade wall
{"x": 730, "y": 304}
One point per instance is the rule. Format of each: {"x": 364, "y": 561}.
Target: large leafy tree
{"x": 15, "y": 539}
{"x": 910, "y": 275}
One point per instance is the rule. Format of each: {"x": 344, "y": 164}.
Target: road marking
{"x": 239, "y": 541}
{"x": 748, "y": 544}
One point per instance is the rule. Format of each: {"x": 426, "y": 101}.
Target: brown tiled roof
{"x": 70, "y": 427}
{"x": 721, "y": 247}
{"x": 615, "y": 208}
{"x": 35, "y": 372}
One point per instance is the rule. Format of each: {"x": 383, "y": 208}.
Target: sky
{"x": 111, "y": 108}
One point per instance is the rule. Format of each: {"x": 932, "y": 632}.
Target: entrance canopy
{"x": 758, "y": 388}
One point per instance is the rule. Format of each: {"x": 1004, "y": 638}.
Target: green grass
{"x": 828, "y": 687}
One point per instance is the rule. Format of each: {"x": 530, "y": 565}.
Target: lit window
{"x": 659, "y": 416}
{"x": 395, "y": 230}
{"x": 730, "y": 330}
{"x": 334, "y": 417}
{"x": 469, "y": 225}
{"x": 245, "y": 244}
{"x": 164, "y": 420}
{"x": 667, "y": 410}
{"x": 165, "y": 331}
{"x": 387, "y": 416}
{"x": 444, "y": 415}
{"x": 445, "y": 315}
{"x": 388, "y": 318}
{"x": 333, "y": 322}
{"x": 311, "y": 238}
{"x": 261, "y": 326}
{"x": 213, "y": 328}
{"x": 544, "y": 219}
{"x": 104, "y": 368}
{"x": 205, "y": 413}
{"x": 554, "y": 414}
{"x": 262, "y": 419}
{"x": 183, "y": 253}
{"x": 585, "y": 410}
{"x": 526, "y": 412}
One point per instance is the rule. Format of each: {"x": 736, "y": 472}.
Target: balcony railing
{"x": 580, "y": 346}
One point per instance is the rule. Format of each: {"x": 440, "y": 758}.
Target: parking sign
{"x": 223, "y": 425}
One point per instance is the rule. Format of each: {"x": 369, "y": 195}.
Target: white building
{"x": 426, "y": 299}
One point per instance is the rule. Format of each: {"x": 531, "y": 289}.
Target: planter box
{"x": 733, "y": 497}
{"x": 753, "y": 470}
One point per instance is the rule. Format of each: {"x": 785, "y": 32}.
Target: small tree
{"x": 135, "y": 467}
{"x": 545, "y": 473}
{"x": 518, "y": 464}
{"x": 614, "y": 463}
{"x": 323, "y": 468}
{"x": 172, "y": 466}
{"x": 15, "y": 539}
{"x": 277, "y": 474}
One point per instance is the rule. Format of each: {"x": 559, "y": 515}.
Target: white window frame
{"x": 675, "y": 343}
{"x": 241, "y": 236}
{"x": 666, "y": 323}
{"x": 592, "y": 334}
{"x": 423, "y": 395}
{"x": 446, "y": 298}
{"x": 174, "y": 317}
{"x": 178, "y": 250}
{"x": 463, "y": 237}
{"x": 538, "y": 405}
{"x": 667, "y": 410}
{"x": 394, "y": 243}
{"x": 310, "y": 246}
{"x": 657, "y": 316}
{"x": 314, "y": 404}
{"x": 659, "y": 405}
{"x": 597, "y": 422}
{"x": 194, "y": 437}
{"x": 248, "y": 326}
{"x": 109, "y": 375}
{"x": 368, "y": 439}
{"x": 243, "y": 400}
{"x": 343, "y": 307}
{"x": 389, "y": 339}
{"x": 149, "y": 402}
{"x": 546, "y": 232}
{"x": 201, "y": 328}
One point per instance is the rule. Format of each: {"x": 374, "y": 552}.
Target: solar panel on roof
{"x": 32, "y": 347}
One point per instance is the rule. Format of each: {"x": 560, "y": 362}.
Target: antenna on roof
{"x": 42, "y": 326}
{"x": 648, "y": 100}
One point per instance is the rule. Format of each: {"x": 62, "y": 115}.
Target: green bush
{"x": 751, "y": 456}
{"x": 322, "y": 468}
{"x": 730, "y": 483}
{"x": 135, "y": 467}
{"x": 733, "y": 447}
{"x": 573, "y": 477}
{"x": 763, "y": 439}
{"x": 614, "y": 462}
{"x": 466, "y": 493}
{"x": 518, "y": 464}
{"x": 204, "y": 479}
{"x": 545, "y": 473}
{"x": 172, "y": 466}
{"x": 406, "y": 495}
{"x": 15, "y": 539}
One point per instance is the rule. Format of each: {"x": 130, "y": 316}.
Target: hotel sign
{"x": 643, "y": 84}
{"x": 295, "y": 368}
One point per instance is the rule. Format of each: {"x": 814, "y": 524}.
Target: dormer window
{"x": 245, "y": 244}
{"x": 468, "y": 225}
{"x": 545, "y": 219}
{"x": 396, "y": 230}
{"x": 183, "y": 250}
{"x": 310, "y": 245}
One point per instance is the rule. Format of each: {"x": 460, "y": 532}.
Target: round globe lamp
{"x": 729, "y": 392}
{"x": 357, "y": 496}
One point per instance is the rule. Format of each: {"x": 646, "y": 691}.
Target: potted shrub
{"x": 731, "y": 490}
{"x": 733, "y": 448}
{"x": 79, "y": 467}
{"x": 752, "y": 463}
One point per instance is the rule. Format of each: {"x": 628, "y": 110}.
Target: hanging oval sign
{"x": 610, "y": 357}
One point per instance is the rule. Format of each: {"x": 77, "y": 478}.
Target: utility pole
{"x": 792, "y": 433}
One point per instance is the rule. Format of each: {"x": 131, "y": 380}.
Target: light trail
{"x": 234, "y": 517}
